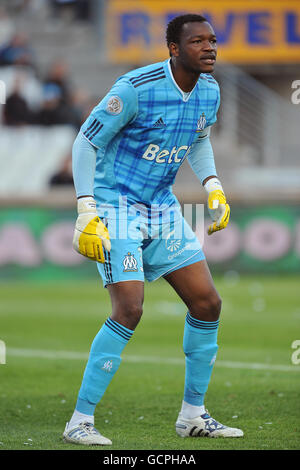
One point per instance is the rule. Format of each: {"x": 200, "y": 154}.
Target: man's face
{"x": 197, "y": 49}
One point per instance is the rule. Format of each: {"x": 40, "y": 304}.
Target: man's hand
{"x": 219, "y": 211}
{"x": 218, "y": 208}
{"x": 90, "y": 234}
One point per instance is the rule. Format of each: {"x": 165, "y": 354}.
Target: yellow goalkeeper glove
{"x": 218, "y": 208}
{"x": 90, "y": 235}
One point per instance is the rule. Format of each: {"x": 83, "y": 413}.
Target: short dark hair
{"x": 175, "y": 26}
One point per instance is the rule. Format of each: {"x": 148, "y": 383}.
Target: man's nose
{"x": 208, "y": 45}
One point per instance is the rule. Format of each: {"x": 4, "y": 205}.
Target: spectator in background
{"x": 56, "y": 103}
{"x": 71, "y": 102}
{"x": 80, "y": 104}
{"x": 64, "y": 176}
{"x": 53, "y": 111}
{"x": 58, "y": 74}
{"x": 17, "y": 51}
{"x": 72, "y": 9}
{"x": 16, "y": 111}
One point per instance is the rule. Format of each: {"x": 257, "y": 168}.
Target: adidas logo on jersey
{"x": 160, "y": 123}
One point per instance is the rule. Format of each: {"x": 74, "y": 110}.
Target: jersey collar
{"x": 185, "y": 96}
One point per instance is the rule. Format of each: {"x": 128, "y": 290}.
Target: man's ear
{"x": 174, "y": 49}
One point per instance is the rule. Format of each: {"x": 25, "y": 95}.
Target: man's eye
{"x": 213, "y": 41}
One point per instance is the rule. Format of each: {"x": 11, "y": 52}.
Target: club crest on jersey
{"x": 114, "y": 105}
{"x": 129, "y": 263}
{"x": 201, "y": 123}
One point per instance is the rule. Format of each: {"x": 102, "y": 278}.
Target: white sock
{"x": 191, "y": 411}
{"x": 78, "y": 418}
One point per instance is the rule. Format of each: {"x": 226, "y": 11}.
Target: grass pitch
{"x": 48, "y": 329}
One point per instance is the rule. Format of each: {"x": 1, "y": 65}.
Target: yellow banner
{"x": 248, "y": 32}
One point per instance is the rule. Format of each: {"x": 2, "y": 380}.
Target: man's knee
{"x": 207, "y": 308}
{"x": 215, "y": 306}
{"x": 127, "y": 313}
{"x": 127, "y": 303}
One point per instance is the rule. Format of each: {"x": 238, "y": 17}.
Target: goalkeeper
{"x": 125, "y": 159}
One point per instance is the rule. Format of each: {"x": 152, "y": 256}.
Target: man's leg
{"x": 105, "y": 354}
{"x": 196, "y": 288}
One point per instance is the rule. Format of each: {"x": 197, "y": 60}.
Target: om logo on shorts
{"x": 130, "y": 263}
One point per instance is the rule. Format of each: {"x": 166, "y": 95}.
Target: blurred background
{"x": 58, "y": 58}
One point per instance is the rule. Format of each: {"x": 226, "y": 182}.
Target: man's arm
{"x": 90, "y": 233}
{"x": 107, "y": 119}
{"x": 83, "y": 166}
{"x": 202, "y": 159}
{"x": 116, "y": 110}
{"x": 202, "y": 162}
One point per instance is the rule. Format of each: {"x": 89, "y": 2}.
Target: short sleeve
{"x": 118, "y": 108}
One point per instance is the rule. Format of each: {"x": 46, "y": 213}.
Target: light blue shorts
{"x": 142, "y": 255}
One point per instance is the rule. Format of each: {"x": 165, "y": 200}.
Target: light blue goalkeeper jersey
{"x": 144, "y": 129}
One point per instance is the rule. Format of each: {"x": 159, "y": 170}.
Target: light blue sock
{"x": 200, "y": 348}
{"x": 104, "y": 360}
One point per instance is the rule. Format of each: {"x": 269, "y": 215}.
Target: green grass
{"x": 260, "y": 320}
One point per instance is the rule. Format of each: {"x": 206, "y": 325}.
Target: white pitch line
{"x": 70, "y": 355}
